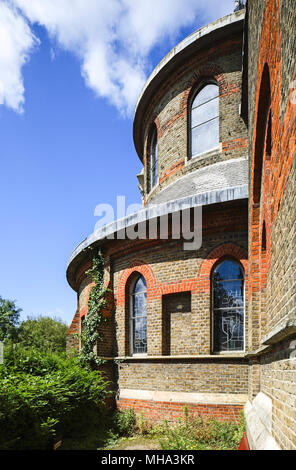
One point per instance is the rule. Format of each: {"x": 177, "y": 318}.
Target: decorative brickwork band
{"x": 202, "y": 283}
{"x": 222, "y": 251}
{"x": 141, "y": 268}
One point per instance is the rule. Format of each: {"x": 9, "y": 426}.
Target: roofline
{"x": 198, "y": 40}
{"x": 99, "y": 237}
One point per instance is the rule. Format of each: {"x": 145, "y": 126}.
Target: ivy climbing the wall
{"x": 90, "y": 335}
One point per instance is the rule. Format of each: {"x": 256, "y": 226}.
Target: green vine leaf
{"x": 90, "y": 335}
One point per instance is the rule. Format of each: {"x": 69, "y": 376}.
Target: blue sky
{"x": 66, "y": 132}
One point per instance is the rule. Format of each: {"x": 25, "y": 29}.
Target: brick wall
{"x": 176, "y": 321}
{"x": 210, "y": 375}
{"x": 178, "y": 310}
{"x": 169, "y": 111}
{"x": 168, "y": 269}
{"x": 178, "y": 281}
{"x": 158, "y": 411}
{"x": 272, "y": 247}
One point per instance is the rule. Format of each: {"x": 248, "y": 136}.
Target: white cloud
{"x": 111, "y": 38}
{"x": 17, "y": 42}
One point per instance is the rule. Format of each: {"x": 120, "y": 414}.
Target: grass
{"x": 200, "y": 434}
{"x": 136, "y": 442}
{"x": 125, "y": 431}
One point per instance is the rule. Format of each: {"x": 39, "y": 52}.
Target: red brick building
{"x": 203, "y": 277}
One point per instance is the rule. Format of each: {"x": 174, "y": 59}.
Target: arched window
{"x": 228, "y": 306}
{"x": 153, "y": 160}
{"x": 138, "y": 316}
{"x": 204, "y": 120}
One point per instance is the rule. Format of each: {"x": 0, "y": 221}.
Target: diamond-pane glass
{"x": 139, "y": 316}
{"x": 228, "y": 306}
{"x": 229, "y": 330}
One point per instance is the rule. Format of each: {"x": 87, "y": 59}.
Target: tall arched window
{"x": 138, "y": 316}
{"x": 228, "y": 306}
{"x": 204, "y": 120}
{"x": 153, "y": 160}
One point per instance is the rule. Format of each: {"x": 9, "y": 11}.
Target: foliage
{"x": 43, "y": 333}
{"x": 34, "y": 362}
{"x": 116, "y": 426}
{"x": 9, "y": 319}
{"x": 96, "y": 303}
{"x": 185, "y": 434}
{"x": 43, "y": 395}
{"x": 124, "y": 422}
{"x": 202, "y": 434}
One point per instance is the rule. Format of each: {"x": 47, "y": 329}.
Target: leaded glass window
{"x": 138, "y": 317}
{"x": 153, "y": 160}
{"x": 204, "y": 120}
{"x": 228, "y": 306}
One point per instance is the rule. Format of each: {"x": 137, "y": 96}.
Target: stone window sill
{"x": 181, "y": 357}
{"x": 204, "y": 156}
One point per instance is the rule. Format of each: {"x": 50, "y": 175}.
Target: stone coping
{"x": 184, "y": 397}
{"x": 281, "y": 331}
{"x": 149, "y": 213}
{"x": 220, "y": 175}
{"x": 258, "y": 352}
{"x": 203, "y": 37}
{"x": 177, "y": 357}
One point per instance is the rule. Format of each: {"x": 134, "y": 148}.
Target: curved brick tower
{"x": 192, "y": 318}
{"x": 179, "y": 322}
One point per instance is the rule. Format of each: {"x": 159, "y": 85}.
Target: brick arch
{"x": 84, "y": 310}
{"x": 153, "y": 121}
{"x": 206, "y": 72}
{"x": 105, "y": 311}
{"x": 139, "y": 267}
{"x": 228, "y": 249}
{"x": 261, "y": 124}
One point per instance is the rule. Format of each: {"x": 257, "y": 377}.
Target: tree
{"x": 9, "y": 319}
{"x": 43, "y": 333}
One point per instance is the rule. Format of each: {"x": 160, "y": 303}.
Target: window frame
{"x": 131, "y": 317}
{"x": 152, "y": 160}
{"x": 237, "y": 351}
{"x": 196, "y": 91}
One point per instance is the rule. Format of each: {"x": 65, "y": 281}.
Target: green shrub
{"x": 200, "y": 434}
{"x": 143, "y": 426}
{"x": 46, "y": 395}
{"x": 125, "y": 422}
{"x": 33, "y": 361}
